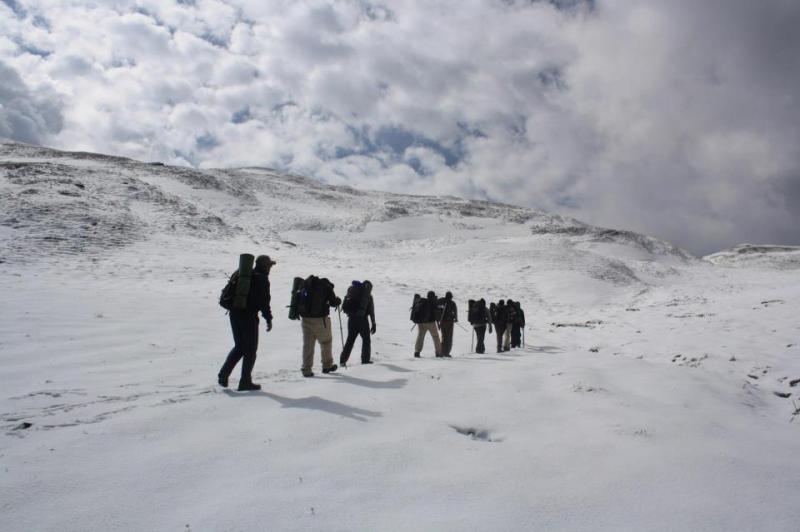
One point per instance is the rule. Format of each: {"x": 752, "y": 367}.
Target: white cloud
{"x": 674, "y": 118}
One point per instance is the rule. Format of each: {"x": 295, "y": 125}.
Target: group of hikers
{"x": 432, "y": 314}
{"x": 248, "y": 292}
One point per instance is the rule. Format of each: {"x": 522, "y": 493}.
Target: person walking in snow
{"x": 517, "y": 325}
{"x": 244, "y": 325}
{"x": 360, "y": 309}
{"x": 511, "y": 311}
{"x": 424, "y": 315}
{"x": 479, "y": 317}
{"x": 315, "y": 301}
{"x": 447, "y": 312}
{"x": 500, "y": 320}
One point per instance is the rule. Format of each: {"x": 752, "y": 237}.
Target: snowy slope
{"x": 654, "y": 392}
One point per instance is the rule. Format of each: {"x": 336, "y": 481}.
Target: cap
{"x": 265, "y": 260}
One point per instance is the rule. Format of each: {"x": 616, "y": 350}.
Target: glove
{"x": 269, "y": 326}
{"x": 374, "y": 328}
{"x": 337, "y": 301}
{"x": 490, "y": 329}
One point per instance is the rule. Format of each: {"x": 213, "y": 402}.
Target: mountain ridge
{"x": 74, "y": 202}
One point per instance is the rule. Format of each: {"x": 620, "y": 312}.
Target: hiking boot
{"x": 330, "y": 369}
{"x": 249, "y": 387}
{"x": 222, "y": 381}
{"x": 366, "y": 362}
{"x": 446, "y": 356}
{"x": 307, "y": 373}
{"x": 416, "y": 355}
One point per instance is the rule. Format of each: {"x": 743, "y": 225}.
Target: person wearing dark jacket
{"x": 360, "y": 309}
{"x": 511, "y": 311}
{"x": 315, "y": 322}
{"x": 482, "y": 319}
{"x": 517, "y": 325}
{"x": 448, "y": 315}
{"x": 500, "y": 320}
{"x": 244, "y": 325}
{"x": 427, "y": 324}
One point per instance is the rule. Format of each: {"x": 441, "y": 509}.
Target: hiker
{"x": 244, "y": 325}
{"x": 447, "y": 312}
{"x": 423, "y": 314}
{"x": 517, "y": 325}
{"x": 314, "y": 300}
{"x": 500, "y": 319}
{"x": 511, "y": 312}
{"x": 479, "y": 317}
{"x": 360, "y": 309}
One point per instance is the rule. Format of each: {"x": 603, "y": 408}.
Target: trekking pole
{"x": 341, "y": 333}
{"x": 472, "y": 342}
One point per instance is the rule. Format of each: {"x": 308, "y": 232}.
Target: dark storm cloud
{"x": 679, "y": 118}
{"x": 24, "y": 115}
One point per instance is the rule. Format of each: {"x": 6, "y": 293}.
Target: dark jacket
{"x": 258, "y": 299}
{"x": 429, "y": 310}
{"x": 500, "y": 315}
{"x": 520, "y": 317}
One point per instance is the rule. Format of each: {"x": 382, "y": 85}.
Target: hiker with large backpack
{"x": 312, "y": 300}
{"x": 423, "y": 314}
{"x": 447, "y": 314}
{"x": 360, "y": 309}
{"x": 479, "y": 318}
{"x": 246, "y": 293}
{"x": 500, "y": 320}
{"x": 511, "y": 311}
{"x": 517, "y": 325}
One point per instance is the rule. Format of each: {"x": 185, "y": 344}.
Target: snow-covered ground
{"x": 654, "y": 392}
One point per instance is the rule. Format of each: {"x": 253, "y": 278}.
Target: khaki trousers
{"x": 317, "y": 330}
{"x": 507, "y": 337}
{"x": 423, "y": 328}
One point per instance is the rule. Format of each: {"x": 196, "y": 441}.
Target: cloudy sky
{"x": 677, "y": 118}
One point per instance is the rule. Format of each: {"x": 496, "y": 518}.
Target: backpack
{"x": 445, "y": 310}
{"x": 236, "y": 292}
{"x": 353, "y": 298}
{"x": 511, "y": 311}
{"x": 294, "y": 302}
{"x": 476, "y": 312}
{"x": 228, "y": 293}
{"x": 312, "y": 297}
{"x": 418, "y": 309}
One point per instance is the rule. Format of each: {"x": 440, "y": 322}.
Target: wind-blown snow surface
{"x": 648, "y": 396}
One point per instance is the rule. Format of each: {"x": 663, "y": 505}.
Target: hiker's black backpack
{"x": 228, "y": 293}
{"x": 511, "y": 313}
{"x": 445, "y": 310}
{"x": 236, "y": 292}
{"x": 352, "y": 299}
{"x": 476, "y": 313}
{"x": 418, "y": 308}
{"x": 311, "y": 298}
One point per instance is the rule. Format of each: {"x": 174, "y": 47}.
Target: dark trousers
{"x": 480, "y": 333}
{"x": 516, "y": 336}
{"x": 356, "y": 326}
{"x": 447, "y": 337}
{"x": 499, "y": 329}
{"x": 244, "y": 326}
